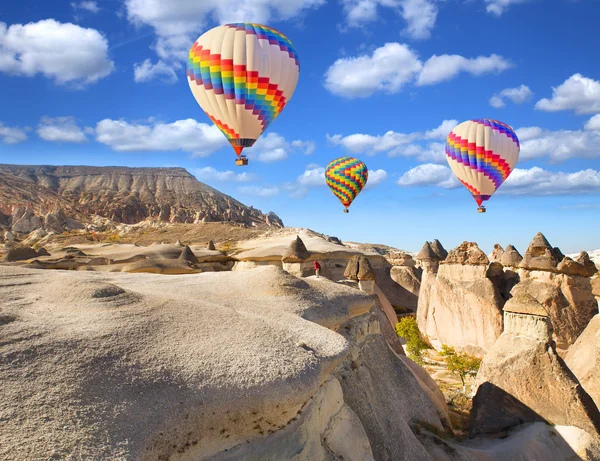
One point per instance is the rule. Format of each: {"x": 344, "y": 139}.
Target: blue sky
{"x": 103, "y": 83}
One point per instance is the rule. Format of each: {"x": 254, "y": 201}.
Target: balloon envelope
{"x": 346, "y": 177}
{"x": 482, "y": 153}
{"x": 242, "y": 75}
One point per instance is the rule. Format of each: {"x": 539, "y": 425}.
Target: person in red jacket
{"x": 317, "y": 267}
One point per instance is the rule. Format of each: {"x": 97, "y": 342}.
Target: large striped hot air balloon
{"x": 346, "y": 177}
{"x": 242, "y": 75}
{"x": 482, "y": 153}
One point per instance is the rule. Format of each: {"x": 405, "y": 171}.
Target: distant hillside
{"x": 121, "y": 194}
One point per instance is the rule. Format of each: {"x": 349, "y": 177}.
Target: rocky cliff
{"x": 121, "y": 194}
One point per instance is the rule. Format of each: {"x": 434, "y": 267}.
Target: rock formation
{"x": 211, "y": 246}
{"x": 296, "y": 252}
{"x": 427, "y": 254}
{"x": 124, "y": 195}
{"x": 188, "y": 255}
{"x": 583, "y": 358}
{"x": 497, "y": 254}
{"x": 20, "y": 254}
{"x": 540, "y": 255}
{"x": 511, "y": 257}
{"x": 522, "y": 379}
{"x": 439, "y": 250}
{"x": 458, "y": 304}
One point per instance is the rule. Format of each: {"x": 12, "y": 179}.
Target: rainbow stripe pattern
{"x": 258, "y": 94}
{"x": 346, "y": 177}
{"x": 479, "y": 168}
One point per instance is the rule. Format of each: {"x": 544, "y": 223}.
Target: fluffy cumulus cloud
{"x": 314, "y": 175}
{"x": 398, "y": 144}
{"x": 517, "y": 95}
{"x": 593, "y": 124}
{"x": 577, "y": 93}
{"x": 177, "y": 22}
{"x": 260, "y": 191}
{"x": 210, "y": 174}
{"x": 12, "y": 135}
{"x": 146, "y": 71}
{"x": 394, "y": 65}
{"x": 187, "y": 135}
{"x": 558, "y": 146}
{"x": 88, "y": 5}
{"x": 388, "y": 69}
{"x": 441, "y": 68}
{"x": 429, "y": 174}
{"x": 61, "y": 129}
{"x": 66, "y": 53}
{"x": 498, "y": 7}
{"x": 420, "y": 15}
{"x": 376, "y": 177}
{"x": 273, "y": 147}
{"x": 537, "y": 181}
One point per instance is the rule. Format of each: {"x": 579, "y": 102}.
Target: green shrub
{"x": 460, "y": 363}
{"x": 415, "y": 344}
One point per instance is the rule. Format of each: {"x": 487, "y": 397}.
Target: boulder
{"x": 359, "y": 268}
{"x": 583, "y": 359}
{"x": 511, "y": 257}
{"x": 570, "y": 267}
{"x": 296, "y": 252}
{"x": 522, "y": 379}
{"x": 439, "y": 250}
{"x": 588, "y": 265}
{"x": 26, "y": 222}
{"x": 540, "y": 255}
{"x": 211, "y": 246}
{"x": 467, "y": 253}
{"x": 20, "y": 254}
{"x": 42, "y": 252}
{"x": 188, "y": 255}
{"x": 9, "y": 237}
{"x": 497, "y": 253}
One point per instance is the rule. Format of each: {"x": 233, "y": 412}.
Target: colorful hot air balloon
{"x": 346, "y": 177}
{"x": 482, "y": 153}
{"x": 242, "y": 75}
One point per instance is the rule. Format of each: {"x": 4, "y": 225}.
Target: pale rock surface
{"x": 511, "y": 257}
{"x": 458, "y": 304}
{"x": 25, "y": 222}
{"x": 296, "y": 252}
{"x": 583, "y": 358}
{"x": 522, "y": 379}
{"x": 540, "y": 255}
{"x": 496, "y": 255}
{"x": 439, "y": 250}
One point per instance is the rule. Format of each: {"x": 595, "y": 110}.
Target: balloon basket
{"x": 346, "y": 210}
{"x": 241, "y": 161}
{"x": 481, "y": 209}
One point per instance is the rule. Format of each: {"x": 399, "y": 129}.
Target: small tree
{"x": 408, "y": 329}
{"x": 460, "y": 364}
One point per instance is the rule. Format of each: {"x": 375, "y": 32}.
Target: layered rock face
{"x": 522, "y": 379}
{"x": 124, "y": 195}
{"x": 562, "y": 288}
{"x": 583, "y": 358}
{"x": 459, "y": 304}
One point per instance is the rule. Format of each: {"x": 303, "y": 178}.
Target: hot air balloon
{"x": 242, "y": 75}
{"x": 346, "y": 177}
{"x": 482, "y": 153}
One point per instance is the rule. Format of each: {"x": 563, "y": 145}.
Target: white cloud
{"x": 269, "y": 191}
{"x": 12, "y": 135}
{"x": 429, "y": 174}
{"x": 273, "y": 147}
{"x": 376, "y": 177}
{"x": 314, "y": 175}
{"x": 60, "y": 129}
{"x": 497, "y": 7}
{"x": 420, "y": 15}
{"x": 577, "y": 93}
{"x": 177, "y": 22}
{"x": 593, "y": 124}
{"x": 66, "y": 53}
{"x": 394, "y": 65}
{"x": 371, "y": 145}
{"x": 442, "y": 131}
{"x": 147, "y": 71}
{"x": 447, "y": 66}
{"x": 432, "y": 152}
{"x": 88, "y": 5}
{"x": 209, "y": 173}
{"x": 558, "y": 146}
{"x": 187, "y": 135}
{"x": 388, "y": 69}
{"x": 517, "y": 95}
{"x": 536, "y": 181}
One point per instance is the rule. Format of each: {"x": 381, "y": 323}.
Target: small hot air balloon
{"x": 482, "y": 153}
{"x": 346, "y": 177}
{"x": 242, "y": 75}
